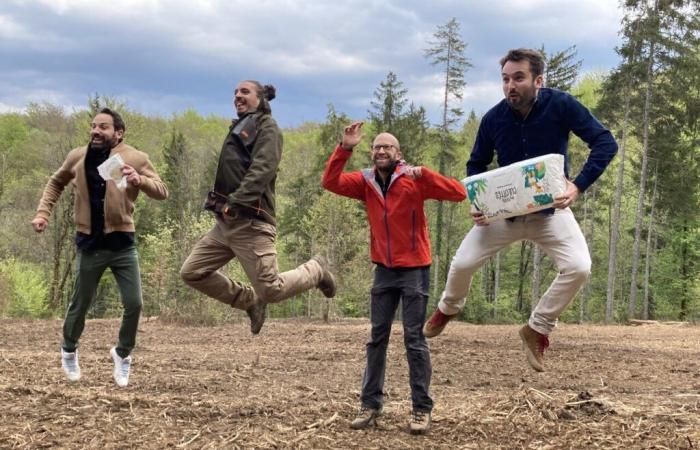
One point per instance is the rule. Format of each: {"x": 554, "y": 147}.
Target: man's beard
{"x": 522, "y": 101}
{"x": 107, "y": 144}
{"x": 388, "y": 170}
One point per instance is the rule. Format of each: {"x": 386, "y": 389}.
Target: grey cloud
{"x": 164, "y": 57}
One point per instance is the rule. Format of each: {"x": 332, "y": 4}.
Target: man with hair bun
{"x": 243, "y": 201}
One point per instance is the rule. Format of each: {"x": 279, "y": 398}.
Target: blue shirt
{"x": 545, "y": 130}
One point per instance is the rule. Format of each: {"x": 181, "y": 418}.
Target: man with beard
{"x": 243, "y": 201}
{"x": 531, "y": 121}
{"x": 104, "y": 222}
{"x": 393, "y": 194}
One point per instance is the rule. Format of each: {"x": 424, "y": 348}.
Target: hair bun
{"x": 269, "y": 91}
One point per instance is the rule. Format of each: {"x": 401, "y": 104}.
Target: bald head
{"x": 386, "y": 138}
{"x": 385, "y": 152}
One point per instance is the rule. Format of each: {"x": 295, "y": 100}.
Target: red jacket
{"x": 398, "y": 228}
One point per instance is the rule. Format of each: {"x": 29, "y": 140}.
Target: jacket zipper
{"x": 413, "y": 228}
{"x": 388, "y": 238}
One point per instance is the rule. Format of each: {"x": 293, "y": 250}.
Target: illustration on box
{"x": 520, "y": 188}
{"x": 535, "y": 181}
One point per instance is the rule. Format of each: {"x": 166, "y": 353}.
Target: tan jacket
{"x": 119, "y": 204}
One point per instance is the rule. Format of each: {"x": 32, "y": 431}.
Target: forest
{"x": 641, "y": 218}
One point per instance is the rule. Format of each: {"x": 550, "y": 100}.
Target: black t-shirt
{"x": 384, "y": 184}
{"x": 117, "y": 240}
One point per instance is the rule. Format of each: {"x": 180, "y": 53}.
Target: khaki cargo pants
{"x": 253, "y": 243}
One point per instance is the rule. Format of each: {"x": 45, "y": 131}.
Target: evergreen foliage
{"x": 36, "y": 271}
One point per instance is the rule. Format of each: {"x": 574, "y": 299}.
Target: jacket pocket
{"x": 118, "y": 209}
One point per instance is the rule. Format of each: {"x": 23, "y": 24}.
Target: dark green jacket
{"x": 248, "y": 166}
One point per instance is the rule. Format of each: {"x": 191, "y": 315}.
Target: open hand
{"x": 352, "y": 135}
{"x": 414, "y": 172}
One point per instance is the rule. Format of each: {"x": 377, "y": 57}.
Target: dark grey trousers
{"x": 410, "y": 287}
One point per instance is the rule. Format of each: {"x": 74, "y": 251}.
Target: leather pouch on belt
{"x": 215, "y": 202}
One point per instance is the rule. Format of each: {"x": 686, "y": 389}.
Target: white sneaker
{"x": 121, "y": 368}
{"x": 69, "y": 361}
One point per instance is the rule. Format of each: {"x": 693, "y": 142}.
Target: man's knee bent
{"x": 468, "y": 264}
{"x": 579, "y": 271}
{"x": 190, "y": 275}
{"x": 270, "y": 292}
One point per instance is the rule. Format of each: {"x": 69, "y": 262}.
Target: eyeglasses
{"x": 384, "y": 147}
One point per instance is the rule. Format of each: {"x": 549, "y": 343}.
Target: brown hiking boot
{"x": 437, "y": 323}
{"x": 420, "y": 422}
{"x": 327, "y": 283}
{"x": 367, "y": 417}
{"x": 257, "y": 314}
{"x": 534, "y": 345}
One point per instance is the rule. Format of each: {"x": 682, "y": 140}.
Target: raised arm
{"x": 349, "y": 184}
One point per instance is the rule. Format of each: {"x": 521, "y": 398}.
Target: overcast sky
{"x": 163, "y": 57}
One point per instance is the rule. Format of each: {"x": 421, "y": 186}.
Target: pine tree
{"x": 447, "y": 52}
{"x": 389, "y": 114}
{"x": 561, "y": 68}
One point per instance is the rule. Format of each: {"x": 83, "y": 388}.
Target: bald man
{"x": 393, "y": 193}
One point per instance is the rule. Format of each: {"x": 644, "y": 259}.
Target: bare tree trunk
{"x": 615, "y": 223}
{"x": 684, "y": 259}
{"x": 438, "y": 243}
{"x": 441, "y": 160}
{"x": 589, "y": 225}
{"x": 436, "y": 271}
{"x": 537, "y": 257}
{"x": 522, "y": 271}
{"x": 448, "y": 235}
{"x": 649, "y": 301}
{"x": 307, "y": 294}
{"x": 647, "y": 262}
{"x": 63, "y": 251}
{"x": 3, "y": 164}
{"x": 496, "y": 279}
{"x": 485, "y": 282}
{"x": 642, "y": 184}
{"x": 332, "y": 257}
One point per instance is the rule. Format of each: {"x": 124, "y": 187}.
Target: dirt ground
{"x": 296, "y": 385}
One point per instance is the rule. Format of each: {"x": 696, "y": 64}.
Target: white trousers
{"x": 559, "y": 236}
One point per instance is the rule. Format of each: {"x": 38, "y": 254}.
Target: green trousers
{"x": 91, "y": 265}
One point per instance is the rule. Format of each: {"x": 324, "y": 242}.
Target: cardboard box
{"x": 520, "y": 188}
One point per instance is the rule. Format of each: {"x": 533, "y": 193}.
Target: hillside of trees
{"x": 641, "y": 219}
